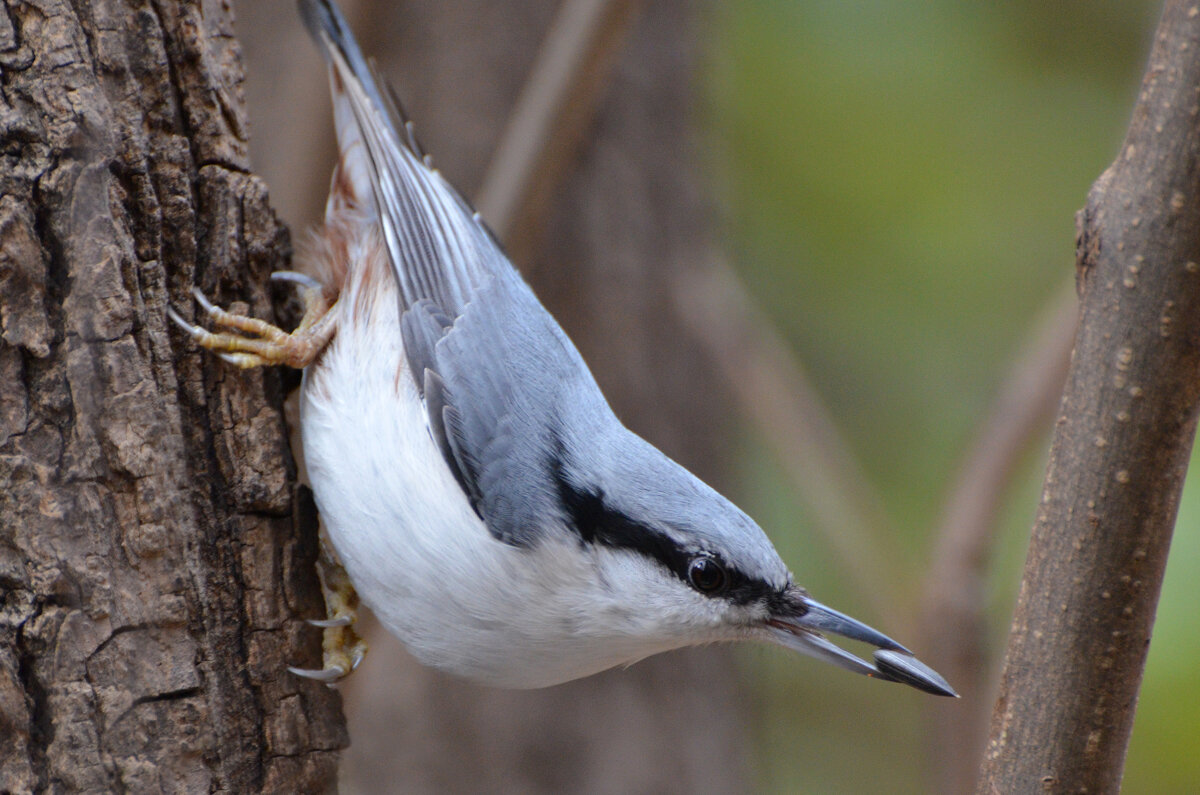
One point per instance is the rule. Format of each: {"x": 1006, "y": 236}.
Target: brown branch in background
{"x": 953, "y": 616}
{"x": 772, "y": 389}
{"x": 1121, "y": 446}
{"x": 546, "y": 126}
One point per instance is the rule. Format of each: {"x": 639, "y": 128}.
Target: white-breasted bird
{"x": 485, "y": 501}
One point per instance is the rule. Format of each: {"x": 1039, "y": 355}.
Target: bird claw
{"x": 250, "y": 342}
{"x": 326, "y": 675}
{"x": 333, "y": 672}
{"x": 295, "y": 277}
{"x": 326, "y": 623}
{"x": 205, "y": 304}
{"x": 343, "y": 649}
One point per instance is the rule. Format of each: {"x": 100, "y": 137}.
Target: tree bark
{"x": 153, "y": 559}
{"x": 1125, "y": 430}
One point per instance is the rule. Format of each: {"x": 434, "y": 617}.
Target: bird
{"x": 479, "y": 493}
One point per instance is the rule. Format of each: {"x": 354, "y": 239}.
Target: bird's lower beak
{"x": 799, "y": 623}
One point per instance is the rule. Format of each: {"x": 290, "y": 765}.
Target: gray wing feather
{"x": 512, "y": 383}
{"x": 422, "y": 326}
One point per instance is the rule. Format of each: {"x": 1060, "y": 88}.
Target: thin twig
{"x": 547, "y": 122}
{"x": 773, "y": 391}
{"x": 953, "y": 613}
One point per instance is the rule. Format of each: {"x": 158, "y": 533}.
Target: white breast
{"x": 390, "y": 505}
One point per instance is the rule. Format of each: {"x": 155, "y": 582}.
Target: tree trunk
{"x": 630, "y": 216}
{"x": 154, "y": 559}
{"x": 1121, "y": 448}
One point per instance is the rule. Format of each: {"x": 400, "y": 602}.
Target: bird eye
{"x": 706, "y": 575}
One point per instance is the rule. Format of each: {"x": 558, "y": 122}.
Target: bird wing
{"x": 505, "y": 393}
{"x": 499, "y": 378}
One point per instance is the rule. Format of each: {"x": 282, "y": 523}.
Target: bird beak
{"x": 799, "y": 621}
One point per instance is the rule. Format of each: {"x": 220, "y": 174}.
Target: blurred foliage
{"x": 900, "y": 182}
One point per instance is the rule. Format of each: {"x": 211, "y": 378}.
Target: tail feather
{"x": 439, "y": 247}
{"x": 328, "y": 27}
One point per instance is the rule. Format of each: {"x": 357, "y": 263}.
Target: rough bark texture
{"x": 1125, "y": 430}
{"x": 630, "y": 217}
{"x": 152, "y": 562}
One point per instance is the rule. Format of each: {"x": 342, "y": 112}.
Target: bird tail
{"x": 439, "y": 247}
{"x": 328, "y": 28}
{"x": 352, "y": 183}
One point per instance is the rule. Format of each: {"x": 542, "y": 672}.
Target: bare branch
{"x": 1124, "y": 435}
{"x": 547, "y": 123}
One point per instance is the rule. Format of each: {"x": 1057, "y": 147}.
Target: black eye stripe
{"x": 596, "y": 522}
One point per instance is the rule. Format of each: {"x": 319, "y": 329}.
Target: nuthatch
{"x": 485, "y": 501}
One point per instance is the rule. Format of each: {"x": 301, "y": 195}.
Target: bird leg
{"x": 343, "y": 648}
{"x": 251, "y": 342}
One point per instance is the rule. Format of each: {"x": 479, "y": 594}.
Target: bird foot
{"x": 251, "y": 342}
{"x": 343, "y": 648}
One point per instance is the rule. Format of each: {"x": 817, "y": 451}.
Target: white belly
{"x": 394, "y": 513}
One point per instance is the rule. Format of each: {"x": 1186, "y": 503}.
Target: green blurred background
{"x": 899, "y": 182}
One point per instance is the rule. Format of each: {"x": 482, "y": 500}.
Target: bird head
{"x": 688, "y": 567}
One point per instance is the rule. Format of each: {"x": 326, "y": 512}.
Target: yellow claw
{"x": 343, "y": 648}
{"x": 251, "y": 342}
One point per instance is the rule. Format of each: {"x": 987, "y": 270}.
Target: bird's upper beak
{"x": 798, "y": 621}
